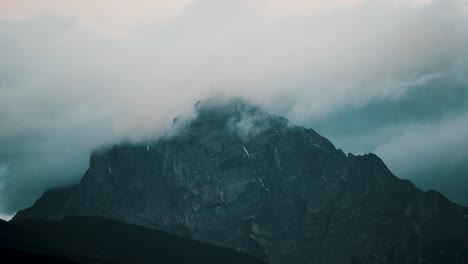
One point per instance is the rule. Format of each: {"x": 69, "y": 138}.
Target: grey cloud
{"x": 427, "y": 101}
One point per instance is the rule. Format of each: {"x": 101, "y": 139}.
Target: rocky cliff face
{"x": 236, "y": 176}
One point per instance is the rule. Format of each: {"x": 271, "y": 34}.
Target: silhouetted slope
{"x": 12, "y": 256}
{"x": 100, "y": 240}
{"x": 239, "y": 177}
{"x": 51, "y": 203}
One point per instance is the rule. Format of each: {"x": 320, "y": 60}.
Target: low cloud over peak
{"x": 76, "y": 76}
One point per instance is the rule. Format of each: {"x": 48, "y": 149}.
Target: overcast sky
{"x": 383, "y": 76}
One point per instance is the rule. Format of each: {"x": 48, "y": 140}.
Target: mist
{"x": 389, "y": 77}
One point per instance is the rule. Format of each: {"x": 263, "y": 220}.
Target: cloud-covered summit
{"x": 369, "y": 75}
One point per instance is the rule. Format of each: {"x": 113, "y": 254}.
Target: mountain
{"x": 100, "y": 240}
{"x": 239, "y": 177}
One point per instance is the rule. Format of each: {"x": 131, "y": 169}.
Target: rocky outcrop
{"x": 236, "y": 176}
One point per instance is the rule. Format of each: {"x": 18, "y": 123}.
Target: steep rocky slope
{"x": 239, "y": 177}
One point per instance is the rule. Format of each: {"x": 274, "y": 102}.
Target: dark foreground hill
{"x": 100, "y": 240}
{"x": 239, "y": 177}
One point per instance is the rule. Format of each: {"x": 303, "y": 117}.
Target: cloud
{"x": 280, "y": 9}
{"x": 114, "y": 17}
{"x": 79, "y": 75}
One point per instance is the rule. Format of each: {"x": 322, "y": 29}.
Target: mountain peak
{"x": 228, "y": 117}
{"x": 229, "y": 112}
{"x": 221, "y": 105}
{"x": 237, "y": 176}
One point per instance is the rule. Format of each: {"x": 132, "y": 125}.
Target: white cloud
{"x": 105, "y": 16}
{"x": 281, "y": 9}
